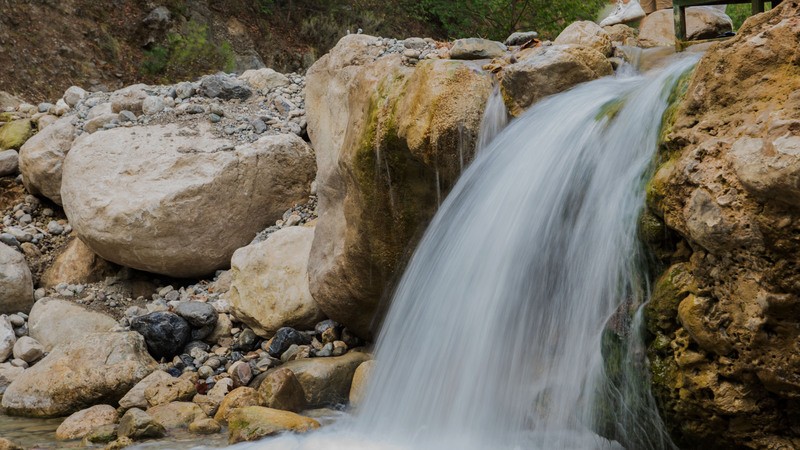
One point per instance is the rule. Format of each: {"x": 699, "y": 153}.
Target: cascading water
{"x": 495, "y": 118}
{"x": 493, "y": 339}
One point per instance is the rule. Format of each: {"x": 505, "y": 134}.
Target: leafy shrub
{"x": 188, "y": 53}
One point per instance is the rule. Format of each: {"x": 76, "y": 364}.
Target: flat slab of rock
{"x": 101, "y": 367}
{"x": 256, "y": 422}
{"x": 16, "y": 282}
{"x": 55, "y": 322}
{"x": 179, "y": 201}
{"x": 269, "y": 289}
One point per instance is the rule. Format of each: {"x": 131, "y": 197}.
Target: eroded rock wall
{"x": 725, "y": 314}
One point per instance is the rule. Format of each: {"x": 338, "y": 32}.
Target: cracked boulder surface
{"x": 724, "y": 320}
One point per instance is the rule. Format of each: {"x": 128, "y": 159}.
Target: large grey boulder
{"x": 54, "y": 322}
{"x": 42, "y": 157}
{"x": 270, "y": 289}
{"x": 178, "y": 200}
{"x": 544, "y": 71}
{"x": 100, "y": 368}
{"x": 16, "y": 282}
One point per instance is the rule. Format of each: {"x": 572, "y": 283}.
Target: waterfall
{"x": 495, "y": 118}
{"x": 495, "y": 335}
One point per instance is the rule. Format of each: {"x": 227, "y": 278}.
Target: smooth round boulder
{"x": 179, "y": 201}
{"x": 255, "y": 422}
{"x": 55, "y": 322}
{"x": 166, "y": 333}
{"x": 16, "y": 282}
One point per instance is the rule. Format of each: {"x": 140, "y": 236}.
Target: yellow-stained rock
{"x": 255, "y": 422}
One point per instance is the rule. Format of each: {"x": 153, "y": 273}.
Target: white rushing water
{"x": 493, "y": 338}
{"x": 494, "y": 120}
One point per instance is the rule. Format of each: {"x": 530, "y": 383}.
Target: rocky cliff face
{"x": 725, "y": 314}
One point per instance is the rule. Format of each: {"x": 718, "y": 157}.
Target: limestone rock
{"x": 13, "y": 134}
{"x": 169, "y": 390}
{"x": 55, "y": 322}
{"x": 73, "y": 95}
{"x": 100, "y": 367}
{"x": 6, "y": 444}
{"x": 702, "y": 22}
{"x": 28, "y": 349}
{"x": 135, "y": 398}
{"x": 129, "y": 191}
{"x": 269, "y": 288}
{"x": 16, "y": 282}
{"x": 9, "y": 163}
{"x": 544, "y": 71}
{"x": 476, "y": 48}
{"x": 326, "y": 381}
{"x": 8, "y": 374}
{"x": 264, "y": 79}
{"x": 723, "y": 316}
{"x": 42, "y": 157}
{"x": 255, "y": 422}
{"x": 281, "y": 390}
{"x": 7, "y": 338}
{"x": 205, "y": 426}
{"x": 623, "y": 34}
{"x": 77, "y": 264}
{"x": 137, "y": 424}
{"x": 369, "y": 219}
{"x": 129, "y": 98}
{"x": 360, "y": 379}
{"x": 238, "y": 398}
{"x": 79, "y": 424}
{"x": 176, "y": 414}
{"x": 587, "y": 34}
{"x": 210, "y": 402}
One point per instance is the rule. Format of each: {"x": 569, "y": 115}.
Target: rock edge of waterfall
{"x": 212, "y": 256}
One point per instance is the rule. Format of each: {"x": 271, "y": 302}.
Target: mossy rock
{"x": 255, "y": 422}
{"x": 15, "y": 133}
{"x": 674, "y": 285}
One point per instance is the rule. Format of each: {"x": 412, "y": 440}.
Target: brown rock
{"x": 77, "y": 264}
{"x": 255, "y": 422}
{"x": 82, "y": 422}
{"x": 368, "y": 219}
{"x": 360, "y": 379}
{"x": 169, "y": 390}
{"x": 176, "y": 414}
{"x": 205, "y": 426}
{"x": 280, "y": 389}
{"x": 702, "y": 22}
{"x": 137, "y": 424}
{"x": 237, "y": 398}
{"x": 586, "y": 33}
{"x": 326, "y": 381}
{"x": 101, "y": 367}
{"x": 134, "y": 398}
{"x": 6, "y": 444}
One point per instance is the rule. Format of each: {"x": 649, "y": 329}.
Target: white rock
{"x": 53, "y": 322}
{"x": 73, "y": 95}
{"x": 7, "y": 338}
{"x": 269, "y": 289}
{"x": 152, "y": 105}
{"x": 41, "y": 158}
{"x": 9, "y": 162}
{"x": 28, "y": 349}
{"x": 264, "y": 79}
{"x": 16, "y": 282}
{"x": 179, "y": 201}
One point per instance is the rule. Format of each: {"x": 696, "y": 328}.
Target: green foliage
{"x": 740, "y": 13}
{"x": 496, "y": 19}
{"x": 188, "y": 53}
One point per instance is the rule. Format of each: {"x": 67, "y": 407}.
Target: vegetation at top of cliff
{"x": 185, "y": 53}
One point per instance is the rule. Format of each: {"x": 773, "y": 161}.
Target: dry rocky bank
{"x": 214, "y": 255}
